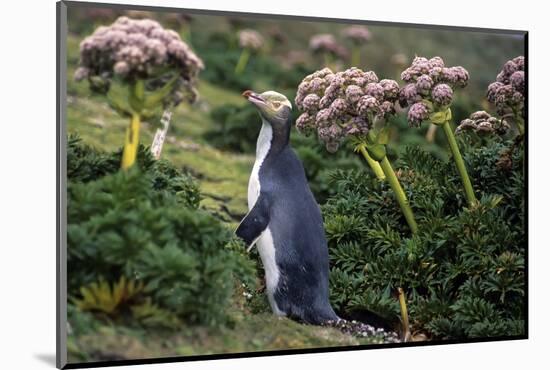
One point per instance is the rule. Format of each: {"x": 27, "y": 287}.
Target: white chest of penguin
{"x": 262, "y": 148}
{"x": 266, "y": 247}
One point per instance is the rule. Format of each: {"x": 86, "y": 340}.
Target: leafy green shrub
{"x": 144, "y": 224}
{"x": 85, "y": 164}
{"x": 463, "y": 272}
{"x": 138, "y": 87}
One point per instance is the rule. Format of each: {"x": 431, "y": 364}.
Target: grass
{"x": 260, "y": 332}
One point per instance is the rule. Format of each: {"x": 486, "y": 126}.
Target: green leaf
{"x": 439, "y": 118}
{"x": 383, "y": 136}
{"x": 152, "y": 99}
{"x": 377, "y": 151}
{"x": 137, "y": 95}
{"x": 118, "y": 103}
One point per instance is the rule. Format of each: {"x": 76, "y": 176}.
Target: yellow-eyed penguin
{"x": 284, "y": 220}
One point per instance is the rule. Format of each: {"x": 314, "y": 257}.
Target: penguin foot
{"x": 362, "y": 330}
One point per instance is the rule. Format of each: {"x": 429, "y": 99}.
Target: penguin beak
{"x": 255, "y": 99}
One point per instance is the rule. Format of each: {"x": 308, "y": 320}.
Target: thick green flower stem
{"x": 131, "y": 142}
{"x": 404, "y": 315}
{"x": 243, "y": 61}
{"x": 470, "y": 196}
{"x": 399, "y": 194}
{"x": 375, "y": 166}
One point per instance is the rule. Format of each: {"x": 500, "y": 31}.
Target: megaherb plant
{"x": 326, "y": 46}
{"x": 250, "y": 41}
{"x": 483, "y": 123}
{"x": 429, "y": 93}
{"x": 508, "y": 92}
{"x": 358, "y": 36}
{"x": 353, "y": 104}
{"x": 140, "y": 67}
{"x": 466, "y": 263}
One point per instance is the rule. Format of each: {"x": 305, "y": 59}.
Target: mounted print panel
{"x": 236, "y": 184}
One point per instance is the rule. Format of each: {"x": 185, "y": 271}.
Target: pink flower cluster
{"x": 508, "y": 92}
{"x": 429, "y": 80}
{"x": 337, "y": 105}
{"x": 358, "y": 34}
{"x": 483, "y": 123}
{"x": 326, "y": 43}
{"x": 250, "y": 39}
{"x": 136, "y": 49}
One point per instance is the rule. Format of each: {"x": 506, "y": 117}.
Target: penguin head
{"x": 272, "y": 106}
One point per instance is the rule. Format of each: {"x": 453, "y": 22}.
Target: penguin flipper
{"x": 255, "y": 222}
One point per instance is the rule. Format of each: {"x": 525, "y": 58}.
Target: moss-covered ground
{"x": 259, "y": 332}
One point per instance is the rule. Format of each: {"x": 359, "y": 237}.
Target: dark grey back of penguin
{"x": 301, "y": 249}
{"x": 288, "y": 209}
